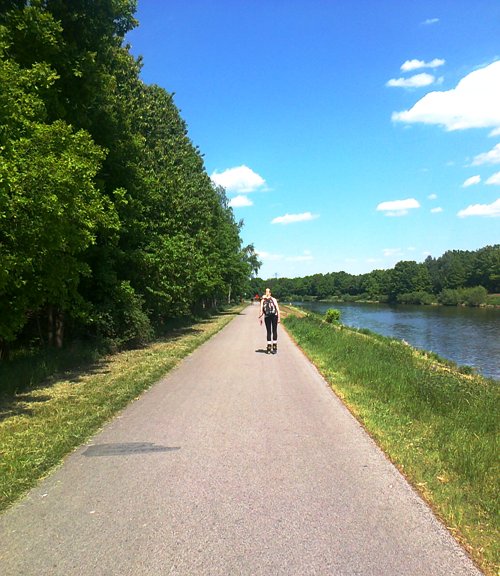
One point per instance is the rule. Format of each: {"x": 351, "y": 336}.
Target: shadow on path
{"x": 126, "y": 448}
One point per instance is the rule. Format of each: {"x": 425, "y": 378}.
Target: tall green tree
{"x": 485, "y": 268}
{"x": 50, "y": 207}
{"x": 407, "y": 277}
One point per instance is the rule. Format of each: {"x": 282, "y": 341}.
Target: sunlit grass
{"x": 493, "y": 300}
{"x": 42, "y": 424}
{"x": 437, "y": 424}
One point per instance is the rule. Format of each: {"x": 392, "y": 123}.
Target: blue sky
{"x": 349, "y": 134}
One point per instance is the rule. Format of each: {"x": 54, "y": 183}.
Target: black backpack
{"x": 269, "y": 307}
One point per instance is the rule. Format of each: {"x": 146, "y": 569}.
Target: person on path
{"x": 271, "y": 311}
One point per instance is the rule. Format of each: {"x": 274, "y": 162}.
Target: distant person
{"x": 271, "y": 311}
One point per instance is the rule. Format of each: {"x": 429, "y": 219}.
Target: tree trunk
{"x": 59, "y": 329}
{"x": 50, "y": 326}
{"x": 4, "y": 350}
{"x": 229, "y": 295}
{"x": 55, "y": 331}
{"x": 39, "y": 330}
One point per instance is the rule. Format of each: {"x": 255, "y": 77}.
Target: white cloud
{"x": 387, "y": 252}
{"x": 268, "y": 255}
{"x": 494, "y": 179}
{"x": 430, "y": 21}
{"x": 290, "y": 218}
{"x": 240, "y": 179}
{"x": 436, "y": 210}
{"x": 417, "y": 64}
{"x": 417, "y": 81}
{"x": 432, "y": 197}
{"x": 491, "y": 210}
{"x": 471, "y": 181}
{"x": 398, "y": 207}
{"x": 301, "y": 258}
{"x": 491, "y": 157}
{"x": 240, "y": 201}
{"x": 398, "y": 204}
{"x": 472, "y": 104}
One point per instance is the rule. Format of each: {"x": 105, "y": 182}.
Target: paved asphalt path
{"x": 236, "y": 463}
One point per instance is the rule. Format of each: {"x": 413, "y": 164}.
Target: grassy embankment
{"x": 438, "y": 425}
{"x": 47, "y": 420}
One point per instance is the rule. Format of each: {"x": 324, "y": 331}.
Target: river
{"x": 467, "y": 336}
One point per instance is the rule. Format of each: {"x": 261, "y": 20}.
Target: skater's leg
{"x": 268, "y": 321}
{"x": 275, "y": 333}
{"x": 274, "y": 323}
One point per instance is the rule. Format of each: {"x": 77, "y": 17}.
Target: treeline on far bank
{"x": 109, "y": 223}
{"x": 457, "y": 277}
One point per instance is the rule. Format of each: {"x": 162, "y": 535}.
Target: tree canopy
{"x": 109, "y": 223}
{"x": 451, "y": 279}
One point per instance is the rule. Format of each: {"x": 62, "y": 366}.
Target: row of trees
{"x": 455, "y": 277}
{"x": 109, "y": 223}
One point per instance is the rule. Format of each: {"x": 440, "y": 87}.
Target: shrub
{"x": 469, "y": 296}
{"x": 475, "y": 296}
{"x": 419, "y": 297}
{"x": 449, "y": 297}
{"x": 332, "y": 316}
{"x": 124, "y": 322}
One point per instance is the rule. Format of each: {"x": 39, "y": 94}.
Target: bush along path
{"x": 438, "y": 425}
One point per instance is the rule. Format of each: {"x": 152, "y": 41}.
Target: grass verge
{"x": 42, "y": 424}
{"x": 438, "y": 425}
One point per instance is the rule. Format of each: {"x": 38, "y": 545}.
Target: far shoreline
{"x": 349, "y": 301}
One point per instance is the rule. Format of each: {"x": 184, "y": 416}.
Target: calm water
{"x": 468, "y": 336}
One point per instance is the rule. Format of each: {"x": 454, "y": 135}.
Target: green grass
{"x": 493, "y": 300}
{"x": 437, "y": 424}
{"x": 42, "y": 423}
